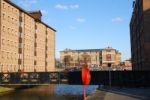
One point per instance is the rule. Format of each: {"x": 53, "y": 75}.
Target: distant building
{"x": 140, "y": 35}
{"x": 127, "y": 64}
{"x": 110, "y": 55}
{"x": 97, "y": 57}
{"x": 26, "y": 43}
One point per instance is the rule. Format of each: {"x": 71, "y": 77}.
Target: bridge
{"x": 117, "y": 78}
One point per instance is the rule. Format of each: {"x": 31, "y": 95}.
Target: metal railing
{"x": 33, "y": 78}
{"x": 118, "y": 78}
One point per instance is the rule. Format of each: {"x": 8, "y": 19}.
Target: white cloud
{"x": 62, "y": 7}
{"x": 45, "y": 12}
{"x": 117, "y": 19}
{"x": 66, "y": 7}
{"x": 74, "y": 6}
{"x": 27, "y": 3}
{"x": 80, "y": 20}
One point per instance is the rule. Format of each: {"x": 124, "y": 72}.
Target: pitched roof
{"x": 11, "y": 3}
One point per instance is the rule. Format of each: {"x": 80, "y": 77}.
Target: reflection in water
{"x": 73, "y": 89}
{"x": 48, "y": 92}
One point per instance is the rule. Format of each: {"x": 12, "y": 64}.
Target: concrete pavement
{"x": 120, "y": 94}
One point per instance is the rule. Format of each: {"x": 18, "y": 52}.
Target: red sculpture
{"x": 86, "y": 77}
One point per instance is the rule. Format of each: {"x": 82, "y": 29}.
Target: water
{"x": 73, "y": 89}
{"x": 49, "y": 92}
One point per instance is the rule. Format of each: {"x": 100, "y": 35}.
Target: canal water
{"x": 48, "y": 92}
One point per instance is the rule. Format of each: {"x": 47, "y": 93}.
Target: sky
{"x": 86, "y": 24}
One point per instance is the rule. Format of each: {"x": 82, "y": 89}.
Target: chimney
{"x": 36, "y": 14}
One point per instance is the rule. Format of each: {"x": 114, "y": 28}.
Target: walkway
{"x": 120, "y": 94}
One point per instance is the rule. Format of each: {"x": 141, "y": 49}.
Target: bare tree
{"x": 85, "y": 58}
{"x": 67, "y": 60}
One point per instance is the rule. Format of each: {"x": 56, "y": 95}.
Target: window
{"x": 20, "y": 45}
{"x": 108, "y": 57}
{"x": 2, "y": 52}
{"x": 20, "y": 40}
{"x": 12, "y": 19}
{"x": 20, "y": 29}
{"x": 8, "y": 30}
{"x": 20, "y": 13}
{"x": 3, "y": 16}
{"x": 3, "y": 41}
{"x": 8, "y": 18}
{"x": 20, "y": 18}
{"x": 36, "y": 31}
{"x": 3, "y": 28}
{"x": 4, "y": 5}
{"x": 19, "y": 61}
{"x": 20, "y": 24}
{"x": 7, "y": 42}
{"x": 20, "y": 34}
{"x": 20, "y": 51}
{"x": 8, "y": 7}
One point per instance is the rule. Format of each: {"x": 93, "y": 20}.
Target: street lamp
{"x": 109, "y": 65}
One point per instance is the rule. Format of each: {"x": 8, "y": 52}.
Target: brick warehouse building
{"x": 100, "y": 57}
{"x": 26, "y": 43}
{"x": 140, "y": 35}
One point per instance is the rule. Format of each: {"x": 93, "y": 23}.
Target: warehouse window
{"x": 4, "y": 5}
{"x": 19, "y": 34}
{"x": 20, "y": 45}
{"x": 20, "y": 24}
{"x": 8, "y": 7}
{"x": 3, "y": 28}
{"x": 3, "y": 41}
{"x": 3, "y": 16}
{"x": 8, "y": 18}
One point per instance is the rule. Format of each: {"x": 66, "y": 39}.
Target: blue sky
{"x": 86, "y": 24}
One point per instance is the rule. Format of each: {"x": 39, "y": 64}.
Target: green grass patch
{"x": 5, "y": 89}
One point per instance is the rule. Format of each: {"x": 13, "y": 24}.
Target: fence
{"x": 118, "y": 78}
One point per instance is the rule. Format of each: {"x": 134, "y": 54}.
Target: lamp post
{"x": 109, "y": 65}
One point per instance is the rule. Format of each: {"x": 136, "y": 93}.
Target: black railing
{"x": 118, "y": 78}
{"x": 34, "y": 78}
